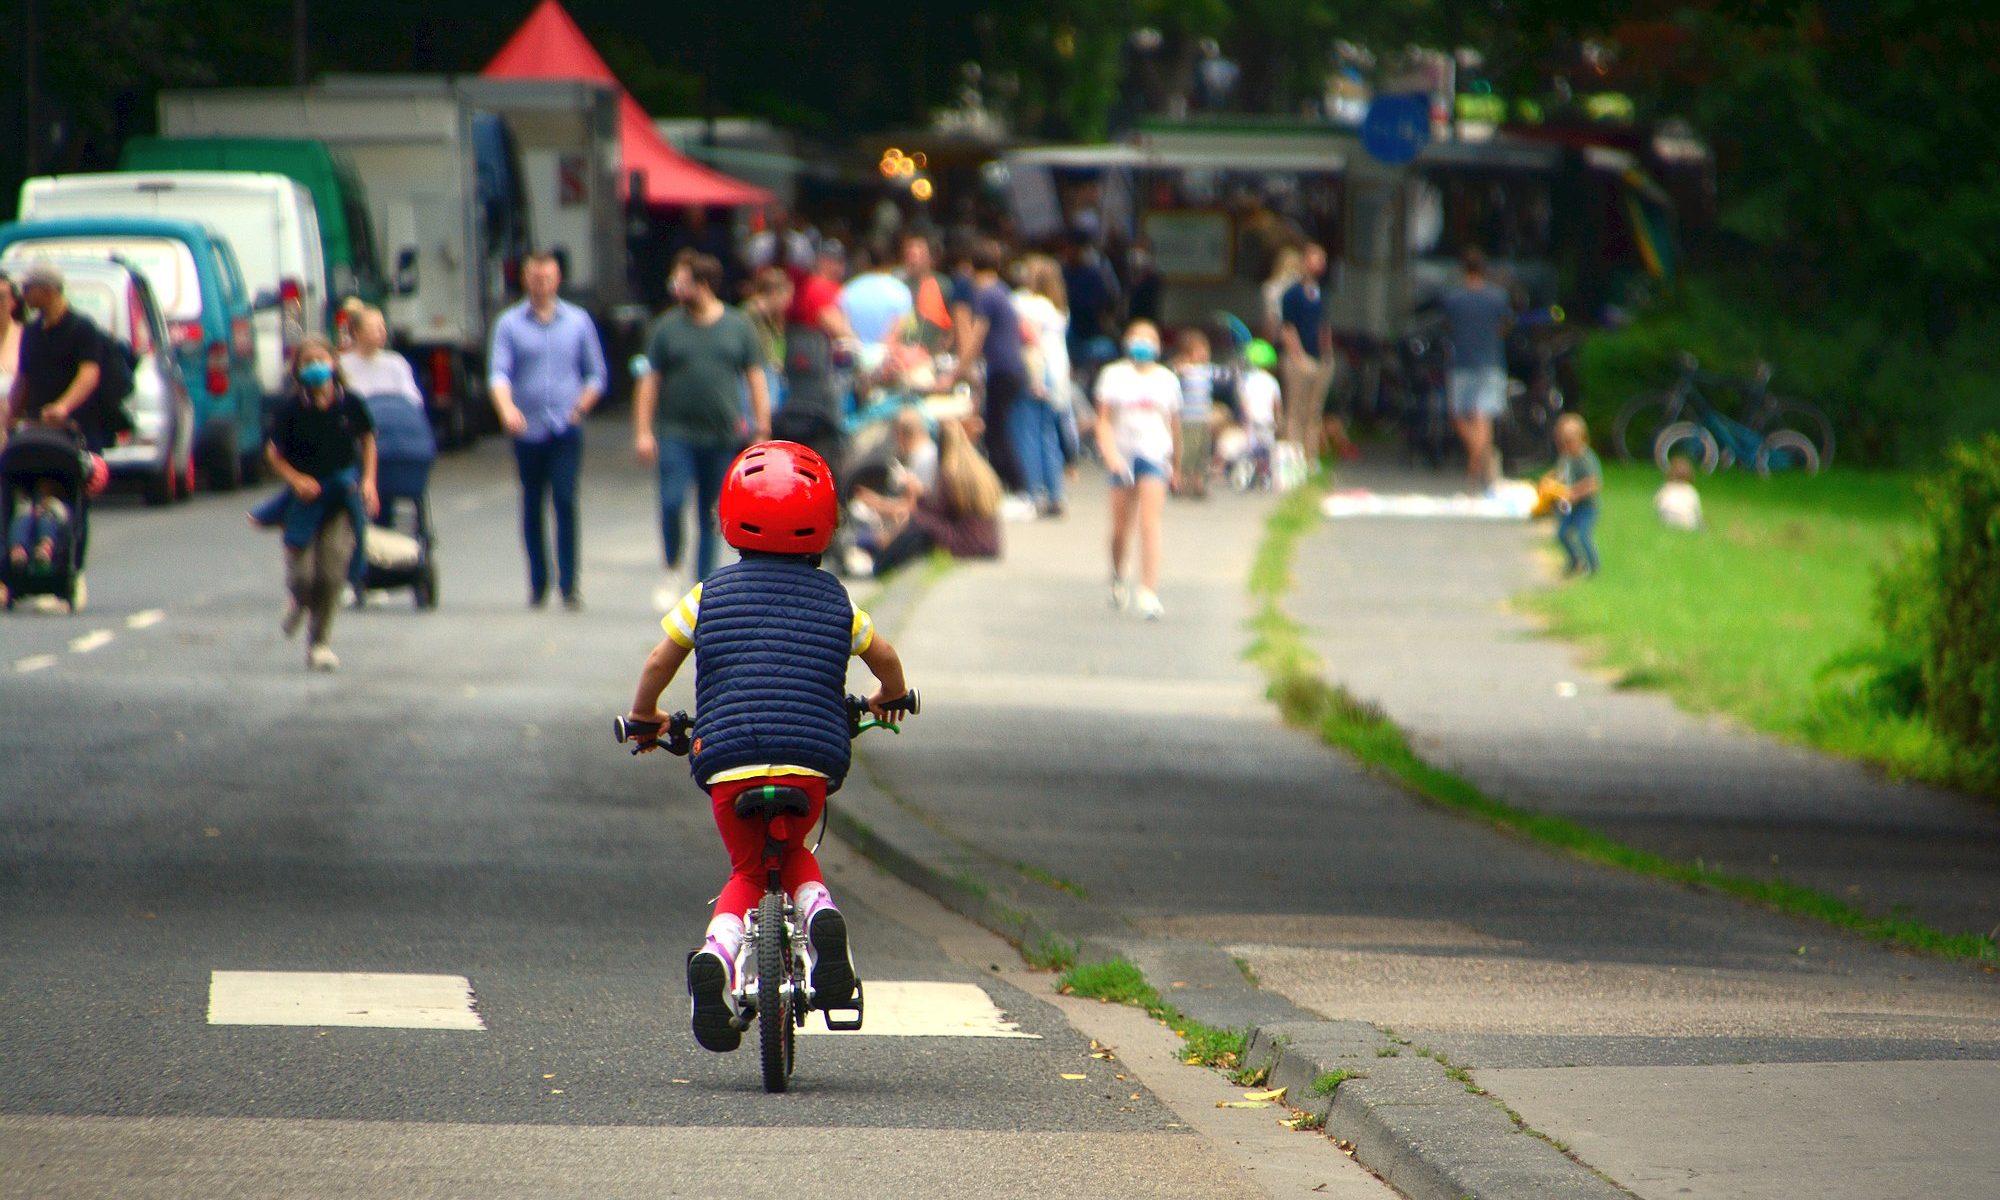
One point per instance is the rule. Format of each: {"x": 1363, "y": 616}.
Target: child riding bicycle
{"x": 771, "y": 636}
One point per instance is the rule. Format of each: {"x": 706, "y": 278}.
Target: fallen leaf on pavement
{"x": 1242, "y": 1104}
{"x": 1067, "y": 1075}
{"x": 1273, "y": 1094}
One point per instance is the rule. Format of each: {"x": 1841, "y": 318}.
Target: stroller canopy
{"x": 37, "y": 451}
{"x": 402, "y": 430}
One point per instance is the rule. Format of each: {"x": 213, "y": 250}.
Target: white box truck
{"x": 270, "y": 221}
{"x": 464, "y": 176}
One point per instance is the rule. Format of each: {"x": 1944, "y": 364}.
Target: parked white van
{"x": 268, "y": 219}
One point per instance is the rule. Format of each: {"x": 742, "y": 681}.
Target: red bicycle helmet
{"x": 779, "y": 497}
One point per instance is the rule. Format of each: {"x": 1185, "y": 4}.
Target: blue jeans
{"x": 1036, "y": 428}
{"x": 1576, "y": 533}
{"x": 700, "y": 466}
{"x": 549, "y": 471}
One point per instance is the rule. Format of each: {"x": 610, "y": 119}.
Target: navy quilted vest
{"x": 771, "y": 645}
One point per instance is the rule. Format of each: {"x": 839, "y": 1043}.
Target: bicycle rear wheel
{"x": 1685, "y": 438}
{"x": 1787, "y": 450}
{"x": 774, "y": 993}
{"x": 1810, "y": 423}
{"x": 1637, "y": 427}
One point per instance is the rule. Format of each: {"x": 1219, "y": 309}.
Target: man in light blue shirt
{"x": 546, "y": 368}
{"x": 876, "y": 303}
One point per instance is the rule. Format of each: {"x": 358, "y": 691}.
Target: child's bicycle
{"x": 1775, "y": 435}
{"x": 772, "y": 984}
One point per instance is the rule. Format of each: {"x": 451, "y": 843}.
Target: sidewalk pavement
{"x": 1083, "y": 774}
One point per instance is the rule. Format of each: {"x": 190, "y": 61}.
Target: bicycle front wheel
{"x": 1685, "y": 439}
{"x": 1806, "y": 419}
{"x": 774, "y": 993}
{"x": 1637, "y": 427}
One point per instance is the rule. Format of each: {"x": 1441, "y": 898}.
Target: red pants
{"x": 744, "y": 839}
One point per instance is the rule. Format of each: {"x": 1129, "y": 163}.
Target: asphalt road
{"x": 179, "y": 797}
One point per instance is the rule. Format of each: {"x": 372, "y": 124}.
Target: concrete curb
{"x": 1408, "y": 1121}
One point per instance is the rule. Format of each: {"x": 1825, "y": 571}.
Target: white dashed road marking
{"x": 928, "y": 1009}
{"x": 145, "y": 619}
{"x": 379, "y": 1001}
{"x": 96, "y": 639}
{"x": 35, "y": 662}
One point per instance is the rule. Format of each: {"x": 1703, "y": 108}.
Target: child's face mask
{"x": 316, "y": 374}
{"x": 1142, "y": 352}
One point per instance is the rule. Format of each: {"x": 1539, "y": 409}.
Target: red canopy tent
{"x": 548, "y": 45}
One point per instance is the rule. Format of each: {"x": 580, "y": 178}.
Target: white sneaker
{"x": 1147, "y": 603}
{"x": 1018, "y": 508}
{"x": 859, "y": 563}
{"x": 322, "y": 658}
{"x": 1121, "y": 593}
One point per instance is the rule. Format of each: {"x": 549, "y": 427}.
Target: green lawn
{"x": 1743, "y": 616}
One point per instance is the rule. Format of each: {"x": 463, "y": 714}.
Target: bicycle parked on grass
{"x": 774, "y": 979}
{"x": 1775, "y": 433}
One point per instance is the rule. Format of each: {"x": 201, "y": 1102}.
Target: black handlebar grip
{"x": 629, "y": 730}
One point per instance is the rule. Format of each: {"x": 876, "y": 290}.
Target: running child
{"x": 770, "y": 636}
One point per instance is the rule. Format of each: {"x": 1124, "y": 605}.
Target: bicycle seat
{"x": 773, "y": 800}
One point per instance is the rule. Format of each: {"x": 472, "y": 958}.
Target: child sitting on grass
{"x": 1581, "y": 476}
{"x": 1677, "y": 503}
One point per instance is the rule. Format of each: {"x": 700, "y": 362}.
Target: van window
{"x": 166, "y": 263}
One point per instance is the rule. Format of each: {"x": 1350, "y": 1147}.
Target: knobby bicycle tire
{"x": 774, "y": 993}
{"x": 1806, "y": 419}
{"x": 1651, "y": 412}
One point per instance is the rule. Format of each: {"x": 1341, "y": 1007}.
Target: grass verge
{"x": 1307, "y": 700}
{"x": 1752, "y": 615}
{"x": 1120, "y": 982}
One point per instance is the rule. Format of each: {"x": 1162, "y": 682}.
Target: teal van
{"x": 346, "y": 233}
{"x": 195, "y": 278}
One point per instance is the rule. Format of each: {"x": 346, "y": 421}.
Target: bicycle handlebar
{"x": 676, "y": 737}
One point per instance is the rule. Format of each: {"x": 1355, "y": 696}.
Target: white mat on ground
{"x": 1508, "y": 501}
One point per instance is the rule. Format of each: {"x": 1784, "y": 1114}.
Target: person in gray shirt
{"x": 1478, "y": 314}
{"x": 703, "y": 358}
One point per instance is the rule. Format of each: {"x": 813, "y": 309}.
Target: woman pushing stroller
{"x": 322, "y": 445}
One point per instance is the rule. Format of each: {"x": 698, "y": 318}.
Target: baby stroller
{"x": 35, "y": 455}
{"x": 402, "y": 553}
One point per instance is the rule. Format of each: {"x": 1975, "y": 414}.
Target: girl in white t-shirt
{"x": 1139, "y": 435}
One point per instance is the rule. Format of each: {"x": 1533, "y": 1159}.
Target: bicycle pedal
{"x": 844, "y": 1024}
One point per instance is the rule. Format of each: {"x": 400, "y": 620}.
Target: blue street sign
{"x": 1396, "y": 127}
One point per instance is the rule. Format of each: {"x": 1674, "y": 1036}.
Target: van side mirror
{"x": 265, "y": 301}
{"x": 406, "y": 271}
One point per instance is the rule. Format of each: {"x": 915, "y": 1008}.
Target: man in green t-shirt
{"x": 703, "y": 356}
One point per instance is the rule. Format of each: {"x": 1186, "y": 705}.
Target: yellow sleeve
{"x": 863, "y": 634}
{"x": 679, "y": 623}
